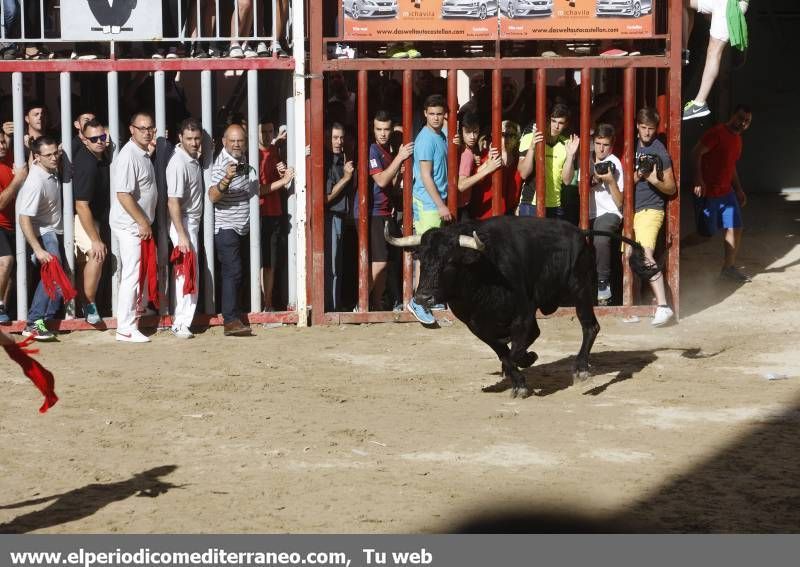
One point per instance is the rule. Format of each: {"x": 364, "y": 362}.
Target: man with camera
{"x": 655, "y": 183}
{"x": 717, "y": 190}
{"x": 605, "y": 204}
{"x": 230, "y": 192}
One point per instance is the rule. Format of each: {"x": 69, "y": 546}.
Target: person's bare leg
{"x": 6, "y": 264}
{"x": 688, "y": 21}
{"x": 711, "y": 69}
{"x": 733, "y": 239}
{"x": 656, "y": 284}
{"x": 92, "y": 271}
{"x": 269, "y": 286}
{"x": 241, "y": 28}
{"x": 378, "y": 283}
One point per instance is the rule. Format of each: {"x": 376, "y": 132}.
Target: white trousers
{"x": 185, "y": 305}
{"x": 130, "y": 255}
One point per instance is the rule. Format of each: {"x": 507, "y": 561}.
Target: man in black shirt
{"x": 91, "y": 190}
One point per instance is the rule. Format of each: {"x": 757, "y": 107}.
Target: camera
{"x": 646, "y": 163}
{"x": 242, "y": 169}
{"x": 603, "y": 167}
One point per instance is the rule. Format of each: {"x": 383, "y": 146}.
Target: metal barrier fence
{"x": 296, "y": 154}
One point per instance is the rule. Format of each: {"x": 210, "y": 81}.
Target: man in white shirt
{"x": 39, "y": 209}
{"x": 232, "y": 186}
{"x": 131, "y": 217}
{"x": 185, "y": 203}
{"x": 605, "y": 205}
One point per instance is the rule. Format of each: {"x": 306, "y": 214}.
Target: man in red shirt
{"x": 718, "y": 192}
{"x": 275, "y": 175}
{"x": 10, "y": 182}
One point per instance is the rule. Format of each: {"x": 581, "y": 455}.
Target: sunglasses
{"x": 95, "y": 139}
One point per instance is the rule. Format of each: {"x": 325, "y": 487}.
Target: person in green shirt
{"x": 559, "y": 164}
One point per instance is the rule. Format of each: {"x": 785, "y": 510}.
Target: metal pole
{"x": 498, "y": 188}
{"x": 317, "y": 164}
{"x": 363, "y": 186}
{"x": 255, "y": 218}
{"x": 452, "y": 150}
{"x": 206, "y": 95}
{"x": 408, "y": 180}
{"x": 585, "y": 136}
{"x": 298, "y": 159}
{"x": 543, "y": 125}
{"x": 19, "y": 161}
{"x": 629, "y": 113}
{"x": 66, "y": 195}
{"x": 114, "y": 132}
{"x": 275, "y": 41}
{"x": 291, "y": 205}
{"x": 161, "y": 211}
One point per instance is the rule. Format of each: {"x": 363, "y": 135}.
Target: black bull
{"x": 495, "y": 274}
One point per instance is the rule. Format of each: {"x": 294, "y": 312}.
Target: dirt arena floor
{"x": 384, "y": 428}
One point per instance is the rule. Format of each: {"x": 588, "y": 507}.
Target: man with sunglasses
{"x": 91, "y": 187}
{"x": 132, "y": 214}
{"x": 39, "y": 209}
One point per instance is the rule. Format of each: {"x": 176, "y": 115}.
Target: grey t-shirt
{"x": 40, "y": 199}
{"x": 647, "y": 196}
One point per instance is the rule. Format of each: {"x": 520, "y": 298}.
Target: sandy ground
{"x": 384, "y": 428}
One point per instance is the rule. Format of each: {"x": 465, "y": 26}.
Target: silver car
{"x": 526, "y": 8}
{"x": 370, "y": 8}
{"x": 631, "y": 8}
{"x": 480, "y": 9}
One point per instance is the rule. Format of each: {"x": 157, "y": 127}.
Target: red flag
{"x": 53, "y": 277}
{"x": 185, "y": 265}
{"x": 39, "y": 375}
{"x": 148, "y": 270}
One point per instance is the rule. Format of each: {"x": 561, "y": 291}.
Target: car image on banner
{"x": 629, "y": 8}
{"x": 526, "y": 8}
{"x": 480, "y": 9}
{"x": 370, "y": 8}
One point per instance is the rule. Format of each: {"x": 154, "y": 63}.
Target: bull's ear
{"x": 468, "y": 255}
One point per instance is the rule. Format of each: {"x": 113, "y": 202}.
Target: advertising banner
{"x": 104, "y": 20}
{"x": 576, "y": 19}
{"x": 421, "y": 20}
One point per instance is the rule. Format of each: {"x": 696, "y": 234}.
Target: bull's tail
{"x": 638, "y": 262}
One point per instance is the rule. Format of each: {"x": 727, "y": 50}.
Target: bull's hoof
{"x": 526, "y": 360}
{"x": 521, "y": 392}
{"x": 580, "y": 375}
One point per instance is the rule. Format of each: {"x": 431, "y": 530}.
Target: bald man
{"x": 233, "y": 183}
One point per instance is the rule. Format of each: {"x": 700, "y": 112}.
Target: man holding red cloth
{"x": 39, "y": 209}
{"x": 131, "y": 217}
{"x": 185, "y": 202}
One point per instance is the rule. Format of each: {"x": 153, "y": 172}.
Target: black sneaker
{"x": 197, "y": 52}
{"x": 693, "y": 110}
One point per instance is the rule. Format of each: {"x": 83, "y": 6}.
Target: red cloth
{"x": 53, "y": 277}
{"x": 185, "y": 265}
{"x": 719, "y": 164}
{"x": 39, "y": 375}
{"x": 148, "y": 270}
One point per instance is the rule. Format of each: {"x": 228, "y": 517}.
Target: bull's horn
{"x": 471, "y": 242}
{"x": 403, "y": 242}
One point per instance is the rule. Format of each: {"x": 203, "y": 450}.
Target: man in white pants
{"x": 131, "y": 217}
{"x": 718, "y": 39}
{"x": 185, "y": 202}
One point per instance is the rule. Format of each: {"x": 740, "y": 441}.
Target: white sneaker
{"x": 131, "y": 336}
{"x": 261, "y": 49}
{"x": 662, "y": 316}
{"x": 182, "y": 332}
{"x": 248, "y": 51}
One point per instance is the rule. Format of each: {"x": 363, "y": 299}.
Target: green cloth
{"x": 737, "y": 26}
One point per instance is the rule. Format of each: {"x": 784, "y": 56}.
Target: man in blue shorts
{"x": 718, "y": 192}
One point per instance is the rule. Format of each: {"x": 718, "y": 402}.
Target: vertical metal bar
{"x": 216, "y": 20}
{"x": 292, "y": 201}
{"x": 207, "y": 112}
{"x": 19, "y": 161}
{"x": 41, "y": 19}
{"x": 298, "y": 138}
{"x": 68, "y": 206}
{"x": 408, "y": 181}
{"x": 275, "y": 38}
{"x": 2, "y": 20}
{"x": 162, "y": 218}
{"x": 452, "y": 149}
{"x": 629, "y": 113}
{"x": 255, "y": 214}
{"x": 254, "y": 25}
{"x": 116, "y": 139}
{"x": 317, "y": 167}
{"x": 586, "y": 127}
{"x": 22, "y": 21}
{"x": 498, "y": 187}
{"x": 180, "y": 19}
{"x": 543, "y": 125}
{"x": 235, "y": 26}
{"x": 363, "y": 187}
{"x": 673, "y": 217}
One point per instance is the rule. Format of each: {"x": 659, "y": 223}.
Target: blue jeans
{"x": 528, "y": 210}
{"x": 333, "y": 262}
{"x": 42, "y": 307}
{"x": 10, "y": 10}
{"x": 228, "y": 245}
